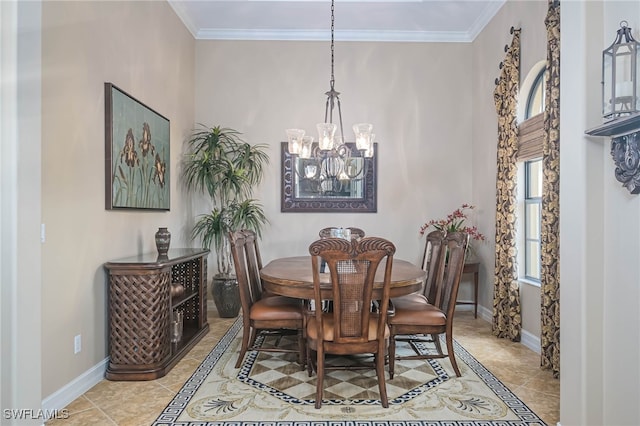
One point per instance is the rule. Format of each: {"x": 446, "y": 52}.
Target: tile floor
{"x": 139, "y": 403}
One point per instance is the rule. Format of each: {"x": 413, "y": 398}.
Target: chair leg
{"x": 302, "y": 357}
{"x": 392, "y": 355}
{"x": 252, "y": 338}
{"x": 246, "y": 331}
{"x": 309, "y": 362}
{"x": 436, "y": 341}
{"x": 452, "y": 355}
{"x": 379, "y": 358}
{"x": 319, "y": 376}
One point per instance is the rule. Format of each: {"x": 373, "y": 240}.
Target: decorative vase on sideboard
{"x": 163, "y": 240}
{"x": 226, "y": 295}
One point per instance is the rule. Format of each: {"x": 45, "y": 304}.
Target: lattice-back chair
{"x": 275, "y": 315}
{"x": 415, "y": 317}
{"x": 351, "y": 328}
{"x": 336, "y": 232}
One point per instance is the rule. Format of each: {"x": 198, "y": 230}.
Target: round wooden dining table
{"x": 293, "y": 277}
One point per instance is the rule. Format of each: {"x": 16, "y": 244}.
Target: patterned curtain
{"x": 550, "y": 231}
{"x": 507, "y": 321}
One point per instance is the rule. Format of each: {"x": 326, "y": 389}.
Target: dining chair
{"x": 269, "y": 316}
{"x": 432, "y": 264}
{"x": 337, "y": 232}
{"x": 254, "y": 264}
{"x": 351, "y": 328}
{"x": 416, "y": 318}
{"x": 252, "y": 246}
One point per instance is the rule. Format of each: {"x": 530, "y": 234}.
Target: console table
{"x": 140, "y": 311}
{"x": 472, "y": 268}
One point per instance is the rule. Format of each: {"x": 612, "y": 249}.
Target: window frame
{"x": 529, "y": 201}
{"x": 538, "y": 84}
{"x": 531, "y": 136}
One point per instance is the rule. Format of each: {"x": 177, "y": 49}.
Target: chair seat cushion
{"x": 276, "y": 308}
{"x": 414, "y": 309}
{"x": 328, "y": 324}
{"x": 410, "y": 298}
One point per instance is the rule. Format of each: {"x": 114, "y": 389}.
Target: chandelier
{"x": 331, "y": 166}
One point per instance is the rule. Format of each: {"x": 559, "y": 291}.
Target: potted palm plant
{"x": 226, "y": 168}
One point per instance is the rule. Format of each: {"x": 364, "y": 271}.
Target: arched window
{"x": 530, "y": 153}
{"x": 535, "y": 98}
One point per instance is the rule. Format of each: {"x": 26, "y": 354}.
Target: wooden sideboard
{"x": 140, "y": 311}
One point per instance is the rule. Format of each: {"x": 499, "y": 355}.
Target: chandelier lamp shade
{"x": 331, "y": 161}
{"x": 621, "y": 75}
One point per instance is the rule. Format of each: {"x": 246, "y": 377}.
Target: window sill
{"x": 529, "y": 282}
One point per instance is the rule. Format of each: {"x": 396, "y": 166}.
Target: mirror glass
{"x": 333, "y": 183}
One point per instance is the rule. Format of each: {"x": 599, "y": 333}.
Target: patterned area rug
{"x": 271, "y": 389}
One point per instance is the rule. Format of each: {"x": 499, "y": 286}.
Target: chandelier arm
{"x": 326, "y": 109}
{"x": 340, "y": 118}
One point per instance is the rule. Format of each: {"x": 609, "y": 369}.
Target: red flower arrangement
{"x": 454, "y": 223}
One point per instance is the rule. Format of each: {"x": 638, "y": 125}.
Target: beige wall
{"x": 417, "y": 95}
{"x": 143, "y": 48}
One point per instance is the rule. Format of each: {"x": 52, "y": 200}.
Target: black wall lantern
{"x": 621, "y": 75}
{"x": 621, "y": 107}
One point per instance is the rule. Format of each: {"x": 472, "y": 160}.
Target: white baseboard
{"x": 72, "y": 390}
{"x": 78, "y": 386}
{"x": 529, "y": 340}
{"x": 465, "y": 308}
{"x": 485, "y": 314}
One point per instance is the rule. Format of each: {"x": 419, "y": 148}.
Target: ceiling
{"x": 355, "y": 20}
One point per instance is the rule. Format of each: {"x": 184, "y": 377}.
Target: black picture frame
{"x": 290, "y": 203}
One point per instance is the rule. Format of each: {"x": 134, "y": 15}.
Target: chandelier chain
{"x": 332, "y": 82}
{"x": 333, "y": 97}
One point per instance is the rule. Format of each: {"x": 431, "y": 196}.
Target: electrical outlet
{"x": 77, "y": 344}
{"x": 42, "y": 233}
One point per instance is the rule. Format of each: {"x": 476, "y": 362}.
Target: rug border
{"x": 178, "y": 404}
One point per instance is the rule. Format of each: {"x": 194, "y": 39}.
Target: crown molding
{"x": 340, "y": 35}
{"x": 370, "y": 35}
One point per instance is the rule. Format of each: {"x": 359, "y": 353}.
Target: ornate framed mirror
{"x": 331, "y": 183}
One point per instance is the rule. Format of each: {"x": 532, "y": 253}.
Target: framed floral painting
{"x": 137, "y": 157}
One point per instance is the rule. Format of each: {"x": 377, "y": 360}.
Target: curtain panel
{"x": 507, "y": 321}
{"x": 550, "y": 226}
